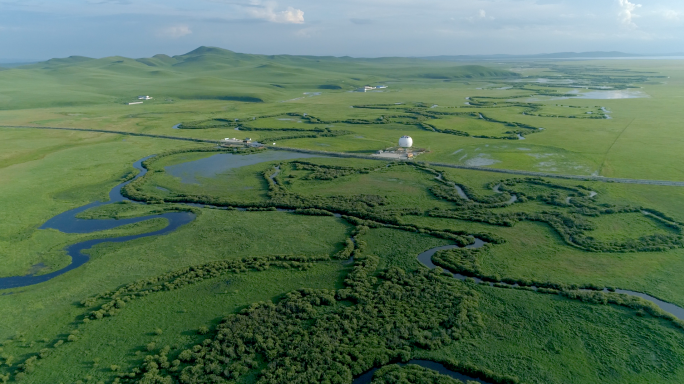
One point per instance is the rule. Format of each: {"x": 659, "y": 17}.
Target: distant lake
{"x": 611, "y": 94}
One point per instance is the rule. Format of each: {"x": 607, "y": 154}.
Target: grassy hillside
{"x": 207, "y": 73}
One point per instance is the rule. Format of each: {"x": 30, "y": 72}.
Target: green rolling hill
{"x": 210, "y": 73}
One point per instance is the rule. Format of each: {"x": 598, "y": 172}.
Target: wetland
{"x": 157, "y": 260}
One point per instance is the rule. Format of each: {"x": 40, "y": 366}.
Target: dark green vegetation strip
{"x": 418, "y": 115}
{"x": 116, "y": 300}
{"x": 571, "y": 226}
{"x": 467, "y": 262}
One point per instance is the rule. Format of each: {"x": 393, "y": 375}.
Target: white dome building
{"x": 406, "y": 142}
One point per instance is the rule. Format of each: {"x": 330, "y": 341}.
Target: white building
{"x": 134, "y": 102}
{"x": 144, "y": 97}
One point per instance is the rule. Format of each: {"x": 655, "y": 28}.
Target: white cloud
{"x": 120, "y": 2}
{"x": 174, "y": 32}
{"x": 479, "y": 15}
{"x": 306, "y": 32}
{"x": 626, "y": 14}
{"x": 672, "y": 15}
{"x": 268, "y": 12}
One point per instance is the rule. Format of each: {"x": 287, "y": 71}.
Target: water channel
{"x": 425, "y": 258}
{"x": 463, "y": 195}
{"x": 67, "y": 222}
{"x": 367, "y": 377}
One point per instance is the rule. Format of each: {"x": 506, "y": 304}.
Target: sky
{"x": 40, "y": 29}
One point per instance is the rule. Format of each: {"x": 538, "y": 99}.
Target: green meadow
{"x": 321, "y": 252}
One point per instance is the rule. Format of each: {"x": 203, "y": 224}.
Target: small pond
{"x": 481, "y": 161}
{"x": 190, "y": 171}
{"x": 367, "y": 377}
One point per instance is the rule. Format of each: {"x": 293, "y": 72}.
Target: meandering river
{"x": 67, "y": 222}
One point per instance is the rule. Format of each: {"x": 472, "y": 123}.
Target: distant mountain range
{"x": 158, "y": 59}
{"x": 549, "y": 56}
{"x": 207, "y": 59}
{"x": 219, "y": 74}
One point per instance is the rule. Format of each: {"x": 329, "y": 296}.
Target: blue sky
{"x": 40, "y": 29}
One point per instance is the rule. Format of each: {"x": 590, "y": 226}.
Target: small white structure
{"x": 234, "y": 140}
{"x": 144, "y": 97}
{"x": 406, "y": 142}
{"x": 134, "y": 102}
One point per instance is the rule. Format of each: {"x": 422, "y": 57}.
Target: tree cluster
{"x": 328, "y": 172}
{"x": 328, "y": 336}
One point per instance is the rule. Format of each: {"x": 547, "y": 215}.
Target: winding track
{"x": 342, "y": 154}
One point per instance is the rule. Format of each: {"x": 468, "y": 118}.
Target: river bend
{"x": 67, "y": 222}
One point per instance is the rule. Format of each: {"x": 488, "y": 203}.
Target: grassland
{"x": 289, "y": 271}
{"x": 567, "y": 145}
{"x": 553, "y": 333}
